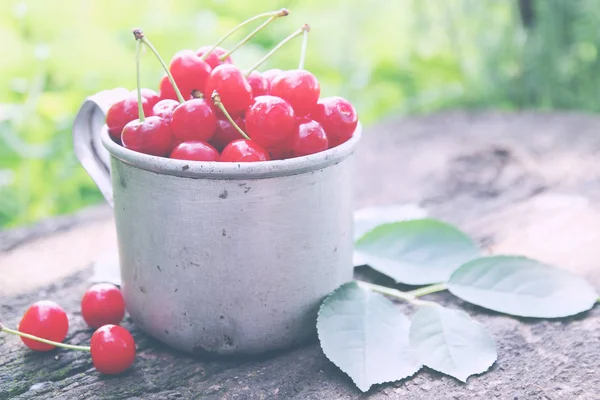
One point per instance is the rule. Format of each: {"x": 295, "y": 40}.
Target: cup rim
{"x": 224, "y": 170}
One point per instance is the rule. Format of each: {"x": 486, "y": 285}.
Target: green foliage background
{"x": 387, "y": 57}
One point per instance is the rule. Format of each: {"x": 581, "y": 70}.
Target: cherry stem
{"x": 410, "y": 297}
{"x": 253, "y": 33}
{"x": 299, "y": 32}
{"x": 303, "y": 51}
{"x": 141, "y": 115}
{"x": 217, "y": 102}
{"x": 50, "y": 342}
{"x": 139, "y": 35}
{"x": 279, "y": 13}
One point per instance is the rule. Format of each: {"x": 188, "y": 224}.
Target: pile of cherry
{"x": 208, "y": 109}
{"x": 45, "y": 325}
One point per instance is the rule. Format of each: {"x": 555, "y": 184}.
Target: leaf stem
{"x": 298, "y": 32}
{"x": 279, "y": 13}
{"x": 50, "y": 342}
{"x": 303, "y": 51}
{"x": 428, "y": 289}
{"x": 406, "y": 296}
{"x": 141, "y": 115}
{"x": 217, "y": 102}
{"x": 139, "y": 35}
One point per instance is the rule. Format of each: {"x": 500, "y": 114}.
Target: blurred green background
{"x": 387, "y": 57}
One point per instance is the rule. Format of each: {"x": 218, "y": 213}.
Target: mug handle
{"x": 87, "y": 145}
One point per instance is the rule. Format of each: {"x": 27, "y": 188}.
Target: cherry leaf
{"x": 366, "y": 336}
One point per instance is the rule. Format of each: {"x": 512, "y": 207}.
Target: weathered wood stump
{"x": 521, "y": 183}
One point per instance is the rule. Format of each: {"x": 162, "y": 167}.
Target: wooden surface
{"x": 520, "y": 183}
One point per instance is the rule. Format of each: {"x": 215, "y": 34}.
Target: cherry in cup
{"x": 338, "y": 118}
{"x": 270, "y": 121}
{"x": 195, "y": 151}
{"x": 194, "y": 119}
{"x": 235, "y": 91}
{"x": 189, "y": 71}
{"x": 125, "y": 110}
{"x": 226, "y": 132}
{"x": 258, "y": 83}
{"x": 308, "y": 138}
{"x": 298, "y": 87}
{"x": 213, "y": 59}
{"x": 150, "y": 135}
{"x": 243, "y": 150}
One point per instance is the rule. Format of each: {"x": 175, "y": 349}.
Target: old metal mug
{"x": 223, "y": 258}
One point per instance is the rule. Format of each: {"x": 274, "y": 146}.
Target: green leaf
{"x": 368, "y": 218}
{"x": 450, "y": 342}
{"x": 523, "y": 287}
{"x": 416, "y": 252}
{"x": 366, "y": 336}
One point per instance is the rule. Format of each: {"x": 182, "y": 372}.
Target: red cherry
{"x": 126, "y": 110}
{"x": 258, "y": 83}
{"x": 309, "y": 138}
{"x": 214, "y": 58}
{"x": 270, "y": 121}
{"x": 243, "y": 150}
{"x": 113, "y": 349}
{"x": 193, "y": 120}
{"x": 281, "y": 153}
{"x": 271, "y": 74}
{"x": 298, "y": 87}
{"x": 150, "y": 96}
{"x": 152, "y": 136}
{"x": 47, "y": 320}
{"x": 166, "y": 90}
{"x": 102, "y": 304}
{"x": 164, "y": 109}
{"x": 232, "y": 86}
{"x": 189, "y": 72}
{"x": 338, "y": 118}
{"x": 195, "y": 151}
{"x": 226, "y": 133}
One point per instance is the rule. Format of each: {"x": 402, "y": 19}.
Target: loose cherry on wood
{"x": 308, "y": 138}
{"x": 47, "y": 320}
{"x": 226, "y": 132}
{"x": 232, "y": 86}
{"x": 189, "y": 71}
{"x": 102, "y": 304}
{"x": 338, "y": 118}
{"x": 243, "y": 150}
{"x": 195, "y": 151}
{"x": 270, "y": 121}
{"x": 193, "y": 120}
{"x": 214, "y": 58}
{"x": 258, "y": 83}
{"x": 113, "y": 349}
{"x": 298, "y": 87}
{"x": 152, "y": 136}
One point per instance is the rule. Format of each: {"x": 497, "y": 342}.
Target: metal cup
{"x": 223, "y": 258}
